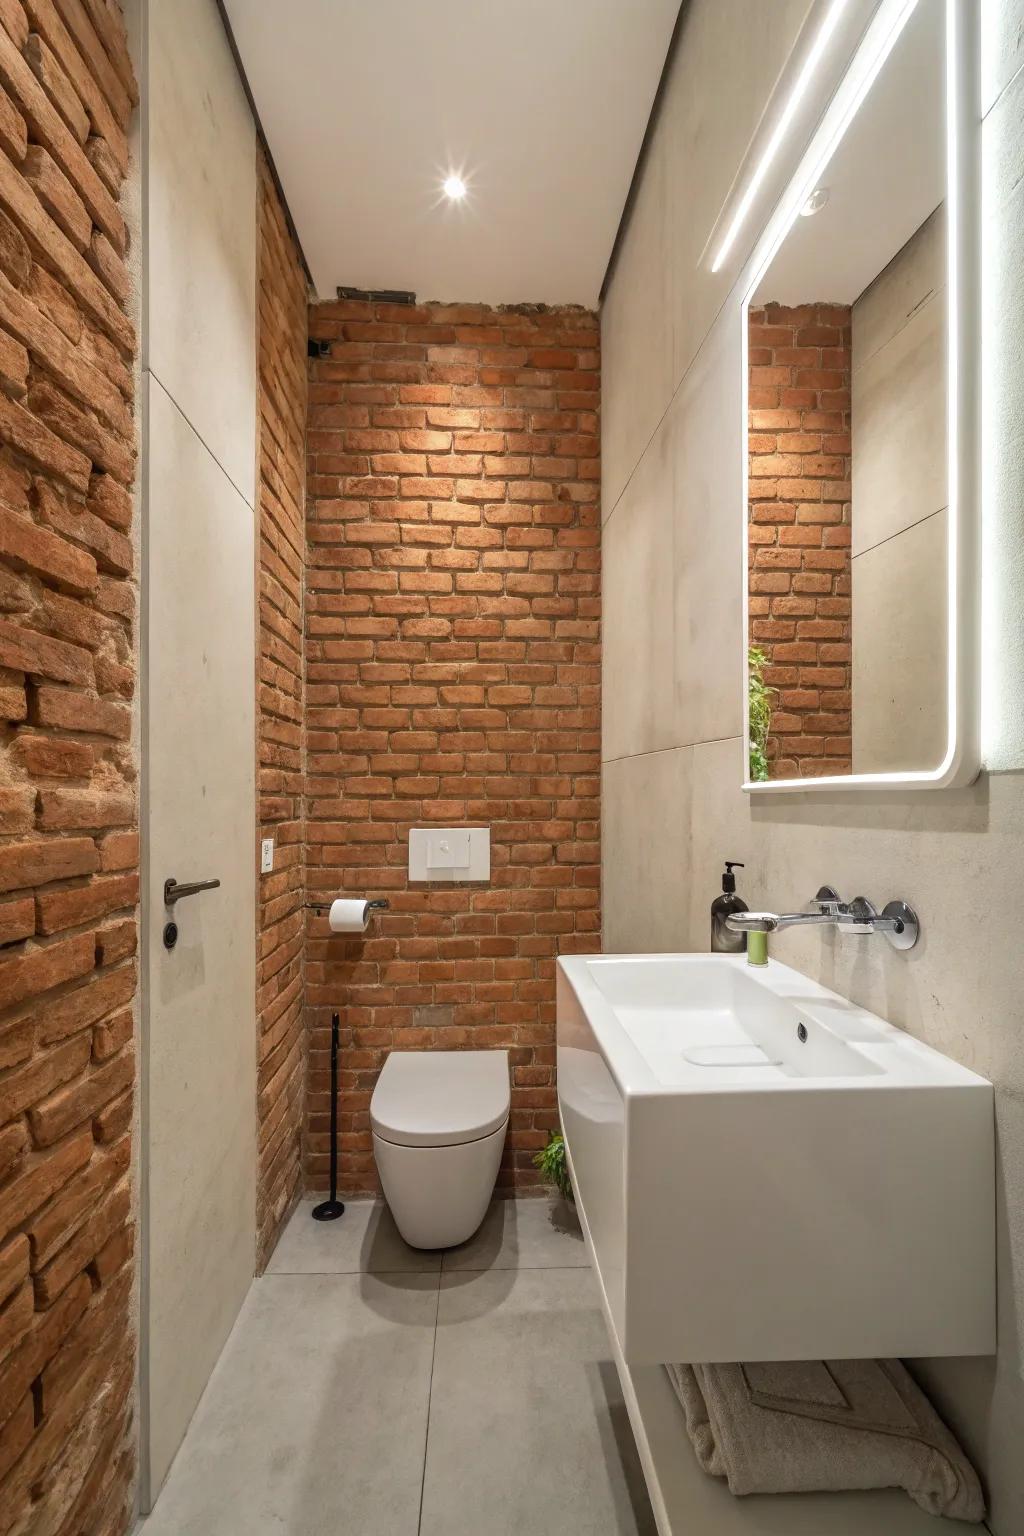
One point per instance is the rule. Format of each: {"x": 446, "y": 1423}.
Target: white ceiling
{"x": 541, "y": 105}
{"x": 886, "y": 177}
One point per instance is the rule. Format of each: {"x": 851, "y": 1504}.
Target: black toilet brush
{"x": 331, "y": 1209}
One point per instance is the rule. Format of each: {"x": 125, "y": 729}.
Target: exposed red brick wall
{"x": 452, "y": 623}
{"x": 279, "y": 952}
{"x": 68, "y": 811}
{"x": 799, "y": 544}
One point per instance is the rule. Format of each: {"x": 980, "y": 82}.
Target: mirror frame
{"x": 962, "y": 760}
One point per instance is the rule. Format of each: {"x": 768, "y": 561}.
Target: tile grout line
{"x": 468, "y": 1269}
{"x": 430, "y": 1393}
{"x": 271, "y": 1274}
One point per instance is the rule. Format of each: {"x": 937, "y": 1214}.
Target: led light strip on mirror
{"x": 961, "y": 761}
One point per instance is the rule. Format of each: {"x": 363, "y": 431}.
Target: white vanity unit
{"x": 765, "y": 1171}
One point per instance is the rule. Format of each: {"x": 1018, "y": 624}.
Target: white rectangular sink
{"x": 769, "y": 1172}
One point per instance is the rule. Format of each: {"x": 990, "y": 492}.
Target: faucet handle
{"x": 829, "y": 900}
{"x": 898, "y": 921}
{"x": 861, "y": 916}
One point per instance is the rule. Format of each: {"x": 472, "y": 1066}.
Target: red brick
{"x": 100, "y": 446}
{"x": 56, "y": 355}
{"x": 68, "y": 908}
{"x": 67, "y": 648}
{"x": 70, "y": 711}
{"x": 57, "y": 196}
{"x": 116, "y": 941}
{"x": 40, "y": 1179}
{"x": 15, "y": 1319}
{"x": 33, "y": 438}
{"x": 15, "y": 256}
{"x": 61, "y": 1217}
{"x": 38, "y": 862}
{"x": 48, "y": 757}
{"x": 110, "y": 1036}
{"x": 25, "y": 650}
{"x": 113, "y": 1119}
{"x": 281, "y": 510}
{"x": 17, "y": 920}
{"x": 799, "y": 549}
{"x": 52, "y": 77}
{"x": 13, "y": 1265}
{"x": 85, "y": 1005}
{"x": 432, "y": 698}
{"x": 66, "y": 810}
{"x": 119, "y": 850}
{"x": 39, "y": 970}
{"x": 82, "y": 1248}
{"x": 16, "y": 1434}
{"x": 49, "y": 129}
{"x": 66, "y": 1108}
{"x": 26, "y": 547}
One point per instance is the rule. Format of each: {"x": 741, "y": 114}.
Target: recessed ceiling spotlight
{"x": 815, "y": 203}
{"x": 454, "y": 188}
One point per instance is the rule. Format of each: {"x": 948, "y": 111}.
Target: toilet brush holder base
{"x": 328, "y": 1210}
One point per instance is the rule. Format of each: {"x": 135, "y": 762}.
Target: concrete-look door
{"x": 198, "y": 1193}
{"x": 199, "y": 1091}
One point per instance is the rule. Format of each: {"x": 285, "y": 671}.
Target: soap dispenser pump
{"x": 723, "y": 940}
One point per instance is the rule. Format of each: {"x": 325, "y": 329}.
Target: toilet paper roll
{"x": 349, "y": 915}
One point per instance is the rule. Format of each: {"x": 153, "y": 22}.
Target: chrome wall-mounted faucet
{"x": 897, "y": 920}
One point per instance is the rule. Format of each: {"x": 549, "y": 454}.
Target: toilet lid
{"x": 440, "y": 1098}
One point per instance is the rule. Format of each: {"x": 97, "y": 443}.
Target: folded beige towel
{"x": 825, "y": 1425}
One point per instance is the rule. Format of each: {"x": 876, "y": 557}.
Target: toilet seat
{"x": 440, "y": 1098}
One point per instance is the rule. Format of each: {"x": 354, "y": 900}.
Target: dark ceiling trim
{"x": 641, "y": 159}
{"x": 226, "y": 22}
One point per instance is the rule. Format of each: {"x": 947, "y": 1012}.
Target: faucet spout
{"x": 897, "y": 920}
{"x": 771, "y": 922}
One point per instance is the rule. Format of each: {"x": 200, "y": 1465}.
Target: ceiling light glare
{"x": 797, "y": 94}
{"x": 454, "y": 188}
{"x": 815, "y": 203}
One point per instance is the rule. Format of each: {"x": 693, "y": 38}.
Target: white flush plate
{"x": 450, "y": 853}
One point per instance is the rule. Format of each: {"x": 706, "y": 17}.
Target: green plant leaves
{"x": 552, "y": 1164}
{"x": 760, "y": 697}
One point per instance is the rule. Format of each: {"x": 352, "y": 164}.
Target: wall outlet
{"x": 266, "y": 855}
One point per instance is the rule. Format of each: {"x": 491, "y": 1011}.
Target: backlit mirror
{"x": 853, "y": 503}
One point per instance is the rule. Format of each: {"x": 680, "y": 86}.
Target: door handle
{"x": 174, "y": 892}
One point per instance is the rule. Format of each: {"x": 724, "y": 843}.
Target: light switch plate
{"x": 266, "y": 856}
{"x": 450, "y": 853}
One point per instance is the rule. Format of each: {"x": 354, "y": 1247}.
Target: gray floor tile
{"x": 364, "y": 1240}
{"x": 528, "y": 1431}
{"x": 523, "y": 1234}
{"x": 314, "y": 1420}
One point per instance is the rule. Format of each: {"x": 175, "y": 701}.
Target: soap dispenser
{"x": 723, "y": 940}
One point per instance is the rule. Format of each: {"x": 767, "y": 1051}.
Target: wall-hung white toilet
{"x": 439, "y": 1120}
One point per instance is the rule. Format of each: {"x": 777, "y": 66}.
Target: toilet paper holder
{"x": 379, "y": 904}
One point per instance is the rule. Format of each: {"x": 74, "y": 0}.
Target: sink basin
{"x": 769, "y": 1172}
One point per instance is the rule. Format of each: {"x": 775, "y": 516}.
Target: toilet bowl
{"x": 439, "y": 1120}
